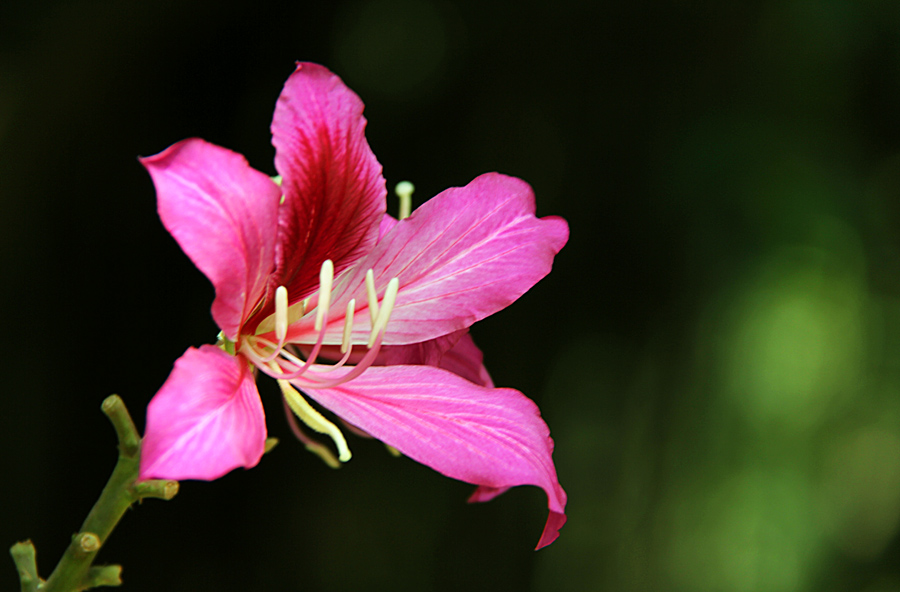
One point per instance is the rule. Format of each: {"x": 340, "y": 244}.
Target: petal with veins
{"x": 466, "y": 360}
{"x": 494, "y": 438}
{"x": 206, "y": 419}
{"x": 334, "y": 191}
{"x": 462, "y": 256}
{"x": 223, "y": 214}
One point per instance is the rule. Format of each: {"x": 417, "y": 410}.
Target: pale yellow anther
{"x": 348, "y": 325}
{"x": 326, "y": 278}
{"x": 404, "y": 191}
{"x": 294, "y": 313}
{"x": 372, "y": 295}
{"x": 281, "y": 313}
{"x": 387, "y": 306}
{"x": 308, "y": 415}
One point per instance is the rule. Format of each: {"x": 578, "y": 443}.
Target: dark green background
{"x": 717, "y": 350}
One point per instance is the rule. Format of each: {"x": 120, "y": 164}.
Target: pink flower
{"x": 318, "y": 288}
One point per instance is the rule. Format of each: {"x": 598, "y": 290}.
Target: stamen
{"x": 348, "y": 325}
{"x": 314, "y": 419}
{"x": 281, "y": 313}
{"x": 387, "y": 306}
{"x": 326, "y": 278}
{"x": 404, "y": 191}
{"x": 294, "y": 313}
{"x": 313, "y": 446}
{"x": 372, "y": 295}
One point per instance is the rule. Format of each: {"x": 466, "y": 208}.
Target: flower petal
{"x": 206, "y": 419}
{"x": 462, "y": 256}
{"x": 466, "y": 360}
{"x": 491, "y": 437}
{"x": 223, "y": 214}
{"x": 334, "y": 191}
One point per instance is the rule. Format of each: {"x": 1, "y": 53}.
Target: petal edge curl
{"x": 492, "y": 437}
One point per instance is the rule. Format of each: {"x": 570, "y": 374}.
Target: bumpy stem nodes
{"x": 74, "y": 570}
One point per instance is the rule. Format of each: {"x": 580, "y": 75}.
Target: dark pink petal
{"x": 466, "y": 360}
{"x": 224, "y": 215}
{"x": 494, "y": 438}
{"x": 206, "y": 419}
{"x": 334, "y": 191}
{"x": 428, "y": 352}
{"x": 463, "y": 255}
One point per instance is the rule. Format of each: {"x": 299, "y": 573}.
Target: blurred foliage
{"x": 717, "y": 351}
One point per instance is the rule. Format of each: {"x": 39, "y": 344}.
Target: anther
{"x": 387, "y": 306}
{"x": 404, "y": 191}
{"x": 348, "y": 325}
{"x": 281, "y": 313}
{"x": 372, "y": 295}
{"x": 326, "y": 277}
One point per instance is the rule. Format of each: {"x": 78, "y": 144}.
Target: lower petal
{"x": 494, "y": 438}
{"x": 206, "y": 420}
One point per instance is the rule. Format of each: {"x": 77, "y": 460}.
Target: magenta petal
{"x": 206, "y": 419}
{"x": 334, "y": 191}
{"x": 490, "y": 437}
{"x": 387, "y": 224}
{"x": 466, "y": 360}
{"x": 224, "y": 214}
{"x": 463, "y": 255}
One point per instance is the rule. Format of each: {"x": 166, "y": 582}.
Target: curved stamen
{"x": 281, "y": 324}
{"x": 314, "y": 419}
{"x": 387, "y": 306}
{"x": 300, "y": 366}
{"x": 314, "y": 382}
{"x": 310, "y": 444}
{"x": 326, "y": 279}
{"x": 372, "y": 295}
{"x": 281, "y": 314}
{"x": 348, "y": 326}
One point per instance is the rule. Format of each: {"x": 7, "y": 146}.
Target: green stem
{"x": 23, "y": 555}
{"x": 74, "y": 571}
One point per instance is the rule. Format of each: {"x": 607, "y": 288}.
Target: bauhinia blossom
{"x": 316, "y": 286}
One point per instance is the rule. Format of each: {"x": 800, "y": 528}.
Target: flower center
{"x": 292, "y": 361}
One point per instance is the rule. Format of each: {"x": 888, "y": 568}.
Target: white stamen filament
{"x": 404, "y": 191}
{"x": 314, "y": 419}
{"x": 348, "y": 325}
{"x": 372, "y": 295}
{"x": 313, "y": 446}
{"x": 387, "y": 306}
{"x": 326, "y": 278}
{"x": 281, "y": 313}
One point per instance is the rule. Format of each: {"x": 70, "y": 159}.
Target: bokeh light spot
{"x": 798, "y": 341}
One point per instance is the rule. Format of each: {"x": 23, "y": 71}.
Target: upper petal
{"x": 463, "y": 255}
{"x": 206, "y": 419}
{"x": 334, "y": 191}
{"x": 491, "y": 437}
{"x": 223, "y": 213}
